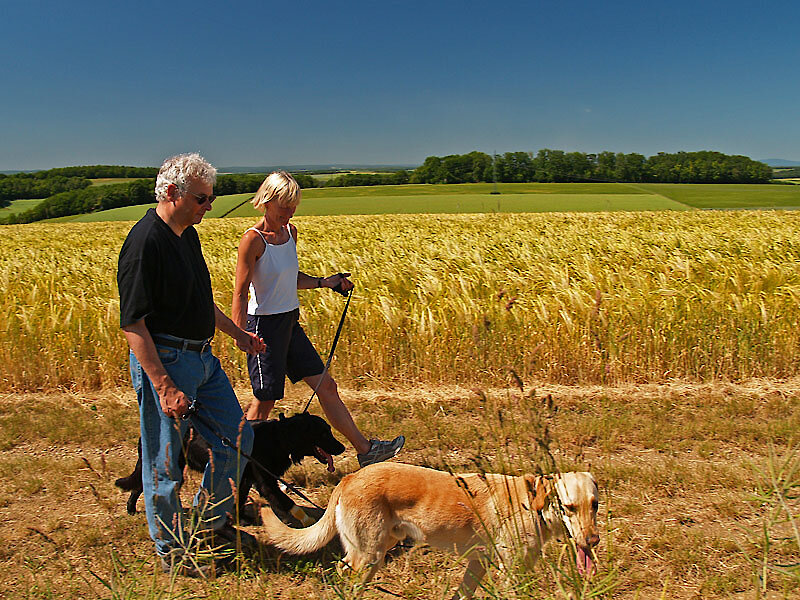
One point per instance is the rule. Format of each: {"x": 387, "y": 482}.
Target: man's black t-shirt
{"x": 163, "y": 279}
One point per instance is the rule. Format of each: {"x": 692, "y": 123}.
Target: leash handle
{"x": 192, "y": 410}
{"x": 338, "y": 287}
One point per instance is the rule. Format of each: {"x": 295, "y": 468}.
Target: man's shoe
{"x": 230, "y": 538}
{"x": 381, "y": 450}
{"x": 177, "y": 562}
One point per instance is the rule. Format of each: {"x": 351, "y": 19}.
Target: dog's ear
{"x": 538, "y": 491}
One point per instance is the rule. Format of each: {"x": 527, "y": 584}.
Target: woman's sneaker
{"x": 381, "y": 450}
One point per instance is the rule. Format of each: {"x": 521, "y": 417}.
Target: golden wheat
{"x": 559, "y": 297}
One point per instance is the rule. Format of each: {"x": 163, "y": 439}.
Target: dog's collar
{"x": 569, "y": 533}
{"x": 562, "y": 515}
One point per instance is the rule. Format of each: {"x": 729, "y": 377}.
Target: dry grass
{"x": 675, "y": 465}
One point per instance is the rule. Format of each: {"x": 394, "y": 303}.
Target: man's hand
{"x": 174, "y": 402}
{"x": 245, "y": 341}
{"x": 249, "y": 342}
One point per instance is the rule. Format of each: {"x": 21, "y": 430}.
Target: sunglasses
{"x": 202, "y": 198}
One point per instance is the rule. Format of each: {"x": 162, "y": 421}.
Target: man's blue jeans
{"x": 198, "y": 375}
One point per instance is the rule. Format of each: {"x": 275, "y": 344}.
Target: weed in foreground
{"x": 774, "y": 552}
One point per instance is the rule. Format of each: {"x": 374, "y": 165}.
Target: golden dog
{"x": 473, "y": 515}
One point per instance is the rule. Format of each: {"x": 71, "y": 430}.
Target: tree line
{"x": 559, "y": 166}
{"x": 87, "y": 172}
{"x": 792, "y": 173}
{"x": 139, "y": 191}
{"x": 86, "y": 200}
{"x": 43, "y": 184}
{"x": 355, "y": 179}
{"x": 245, "y": 183}
{"x": 15, "y": 188}
{"x": 102, "y": 172}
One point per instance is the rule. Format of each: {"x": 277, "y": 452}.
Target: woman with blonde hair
{"x": 265, "y": 302}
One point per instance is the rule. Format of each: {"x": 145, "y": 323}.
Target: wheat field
{"x": 590, "y": 298}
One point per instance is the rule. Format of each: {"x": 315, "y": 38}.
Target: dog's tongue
{"x": 585, "y": 562}
{"x": 328, "y": 458}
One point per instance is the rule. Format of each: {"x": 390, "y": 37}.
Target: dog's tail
{"x": 300, "y": 541}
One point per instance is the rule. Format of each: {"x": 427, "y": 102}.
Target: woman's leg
{"x": 337, "y": 413}
{"x": 303, "y": 358}
{"x": 259, "y": 409}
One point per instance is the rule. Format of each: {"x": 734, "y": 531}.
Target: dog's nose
{"x": 592, "y": 540}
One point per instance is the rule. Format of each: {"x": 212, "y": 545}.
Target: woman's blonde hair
{"x": 278, "y": 186}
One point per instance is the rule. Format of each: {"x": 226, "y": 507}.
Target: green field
{"x": 124, "y": 213}
{"x": 326, "y": 176}
{"x": 18, "y": 206}
{"x": 476, "y": 203}
{"x": 110, "y": 180}
{"x": 723, "y": 196}
{"x": 425, "y": 189}
{"x": 513, "y": 198}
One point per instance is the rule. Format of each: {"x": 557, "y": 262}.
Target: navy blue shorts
{"x": 289, "y": 353}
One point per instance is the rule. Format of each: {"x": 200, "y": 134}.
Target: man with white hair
{"x": 168, "y": 316}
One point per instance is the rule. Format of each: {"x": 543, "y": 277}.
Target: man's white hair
{"x": 177, "y": 169}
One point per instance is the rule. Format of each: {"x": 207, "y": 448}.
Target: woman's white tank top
{"x": 273, "y": 289}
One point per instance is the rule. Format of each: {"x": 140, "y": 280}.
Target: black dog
{"x": 277, "y": 445}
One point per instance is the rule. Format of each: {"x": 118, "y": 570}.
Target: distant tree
{"x": 605, "y": 166}
{"x": 101, "y": 172}
{"x": 557, "y": 166}
{"x": 629, "y": 167}
{"x": 515, "y": 167}
{"x": 705, "y": 167}
{"x": 304, "y": 180}
{"x": 400, "y": 177}
{"x": 552, "y": 166}
{"x": 481, "y": 167}
{"x": 579, "y": 166}
{"x": 430, "y": 171}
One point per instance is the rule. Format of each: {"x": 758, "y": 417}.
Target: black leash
{"x": 193, "y": 413}
{"x": 349, "y": 295}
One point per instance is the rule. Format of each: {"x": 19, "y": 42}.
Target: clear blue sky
{"x": 263, "y": 83}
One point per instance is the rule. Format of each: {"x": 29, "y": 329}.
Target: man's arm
{"x": 245, "y": 341}
{"x": 174, "y": 402}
